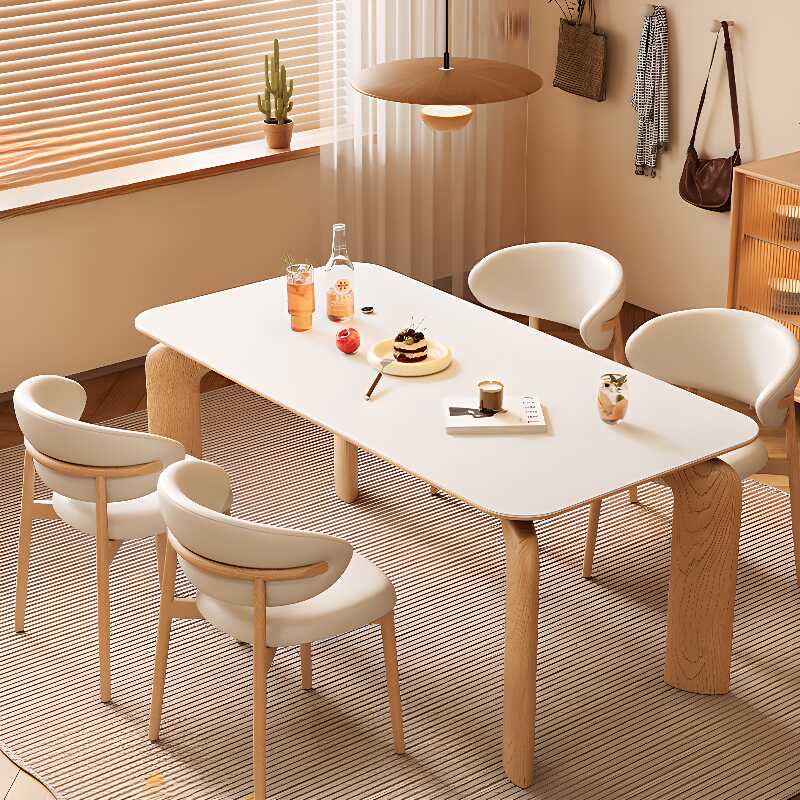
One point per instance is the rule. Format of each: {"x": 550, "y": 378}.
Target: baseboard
{"x": 109, "y": 369}
{"x": 99, "y": 372}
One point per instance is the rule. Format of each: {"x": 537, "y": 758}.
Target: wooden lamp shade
{"x": 468, "y": 82}
{"x": 447, "y": 87}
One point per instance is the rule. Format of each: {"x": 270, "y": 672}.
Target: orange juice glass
{"x": 300, "y": 295}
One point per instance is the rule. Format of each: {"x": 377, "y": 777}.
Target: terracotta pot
{"x": 279, "y": 135}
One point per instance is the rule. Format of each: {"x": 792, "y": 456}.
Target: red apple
{"x": 348, "y": 340}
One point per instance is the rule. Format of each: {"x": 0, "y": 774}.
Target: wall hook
{"x": 716, "y": 25}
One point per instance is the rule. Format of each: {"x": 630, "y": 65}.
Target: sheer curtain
{"x": 427, "y": 204}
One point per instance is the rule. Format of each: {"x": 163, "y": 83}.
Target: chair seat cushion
{"x": 747, "y": 460}
{"x": 128, "y": 519}
{"x": 363, "y": 594}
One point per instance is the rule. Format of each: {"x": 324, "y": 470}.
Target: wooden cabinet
{"x": 764, "y": 271}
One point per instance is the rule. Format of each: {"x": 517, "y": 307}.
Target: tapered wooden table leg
{"x": 173, "y": 397}
{"x": 522, "y": 617}
{"x": 702, "y": 585}
{"x": 345, "y": 469}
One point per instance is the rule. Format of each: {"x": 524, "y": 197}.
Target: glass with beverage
{"x": 300, "y": 294}
{"x": 340, "y": 298}
{"x": 612, "y": 397}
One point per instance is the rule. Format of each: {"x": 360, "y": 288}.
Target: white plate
{"x": 439, "y": 358}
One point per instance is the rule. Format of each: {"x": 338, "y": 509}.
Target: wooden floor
{"x": 122, "y": 392}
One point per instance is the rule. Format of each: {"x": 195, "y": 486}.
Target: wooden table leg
{"x": 345, "y": 469}
{"x": 173, "y": 410}
{"x": 173, "y": 397}
{"x": 522, "y": 618}
{"x": 702, "y": 585}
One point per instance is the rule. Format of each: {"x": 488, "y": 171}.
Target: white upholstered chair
{"x": 272, "y": 587}
{"x": 103, "y": 482}
{"x": 733, "y": 354}
{"x": 573, "y": 284}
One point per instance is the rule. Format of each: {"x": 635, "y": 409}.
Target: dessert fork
{"x": 384, "y": 363}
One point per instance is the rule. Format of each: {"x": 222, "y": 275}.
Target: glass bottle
{"x": 340, "y": 271}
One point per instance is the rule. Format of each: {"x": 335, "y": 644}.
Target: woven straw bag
{"x": 581, "y": 62}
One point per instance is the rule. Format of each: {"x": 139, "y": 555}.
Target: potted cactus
{"x": 278, "y": 126}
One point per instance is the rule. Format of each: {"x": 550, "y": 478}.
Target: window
{"x": 89, "y": 85}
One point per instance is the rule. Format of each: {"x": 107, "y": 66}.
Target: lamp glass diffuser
{"x": 446, "y": 118}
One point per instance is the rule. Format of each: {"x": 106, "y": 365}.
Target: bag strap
{"x": 592, "y": 10}
{"x": 703, "y": 95}
{"x": 731, "y": 86}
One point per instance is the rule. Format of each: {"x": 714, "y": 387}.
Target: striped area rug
{"x": 607, "y": 725}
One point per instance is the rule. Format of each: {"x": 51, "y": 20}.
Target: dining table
{"x": 668, "y": 434}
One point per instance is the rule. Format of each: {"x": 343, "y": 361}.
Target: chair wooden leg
{"x": 619, "y": 342}
{"x": 24, "y": 552}
{"x": 793, "y": 459}
{"x": 260, "y": 656}
{"x": 170, "y": 564}
{"x": 633, "y": 494}
{"x": 161, "y": 550}
{"x": 103, "y": 599}
{"x": 305, "y": 665}
{"x": 393, "y": 680}
{"x": 591, "y": 537}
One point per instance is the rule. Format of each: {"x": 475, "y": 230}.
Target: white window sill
{"x": 133, "y": 178}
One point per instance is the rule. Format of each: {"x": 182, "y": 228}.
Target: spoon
{"x": 384, "y": 363}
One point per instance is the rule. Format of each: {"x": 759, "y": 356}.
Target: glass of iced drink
{"x": 300, "y": 294}
{"x": 612, "y": 397}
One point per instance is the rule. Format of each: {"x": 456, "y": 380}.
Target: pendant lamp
{"x": 447, "y": 87}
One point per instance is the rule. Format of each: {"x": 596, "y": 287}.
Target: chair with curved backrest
{"x": 573, "y": 284}
{"x": 736, "y": 354}
{"x": 272, "y": 587}
{"x": 103, "y": 482}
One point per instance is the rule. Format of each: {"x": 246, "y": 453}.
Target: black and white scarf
{"x": 651, "y": 91}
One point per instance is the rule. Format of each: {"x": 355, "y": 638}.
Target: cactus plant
{"x": 275, "y": 85}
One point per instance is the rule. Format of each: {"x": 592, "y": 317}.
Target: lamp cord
{"x": 446, "y": 59}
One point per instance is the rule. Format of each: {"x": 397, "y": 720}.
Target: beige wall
{"x": 581, "y": 184}
{"x": 75, "y": 277}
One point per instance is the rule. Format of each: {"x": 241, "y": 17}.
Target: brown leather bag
{"x": 708, "y": 183}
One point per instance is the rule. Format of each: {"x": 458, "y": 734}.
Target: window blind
{"x": 87, "y": 85}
